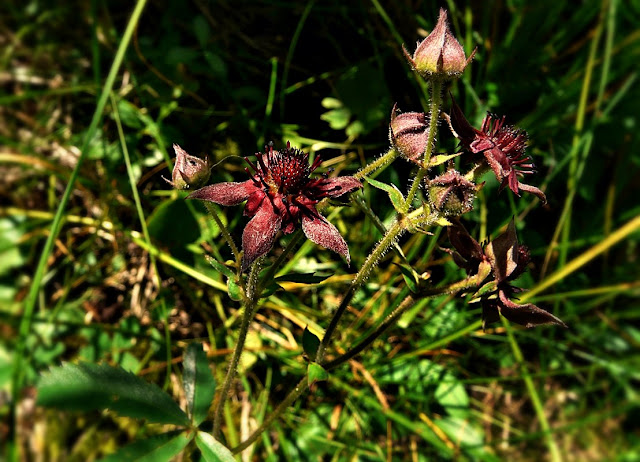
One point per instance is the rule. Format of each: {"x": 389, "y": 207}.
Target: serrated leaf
{"x": 303, "y": 278}
{"x": 441, "y": 159}
{"x": 89, "y": 387}
{"x": 213, "y": 450}
{"x": 397, "y": 199}
{"x": 199, "y": 383}
{"x": 158, "y": 448}
{"x": 316, "y": 373}
{"x": 310, "y": 343}
{"x": 220, "y": 267}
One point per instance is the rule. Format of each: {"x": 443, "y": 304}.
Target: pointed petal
{"x": 225, "y": 193}
{"x": 502, "y": 253}
{"x": 528, "y": 315}
{"x": 460, "y": 125}
{"x": 533, "y": 190}
{"x": 336, "y": 187}
{"x": 259, "y": 234}
{"x": 319, "y": 231}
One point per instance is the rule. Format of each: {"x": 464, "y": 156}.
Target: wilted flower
{"x": 281, "y": 196}
{"x": 189, "y": 172}
{"x": 508, "y": 261}
{"x": 439, "y": 55}
{"x": 408, "y": 133}
{"x": 451, "y": 193}
{"x": 503, "y": 147}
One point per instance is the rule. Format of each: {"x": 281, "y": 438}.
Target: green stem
{"x": 407, "y": 303}
{"x": 380, "y": 162}
{"x": 388, "y": 322}
{"x": 225, "y": 232}
{"x": 252, "y": 296}
{"x": 288, "y": 401}
{"x": 434, "y": 115}
{"x": 387, "y": 241}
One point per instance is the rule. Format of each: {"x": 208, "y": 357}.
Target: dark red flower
{"x": 503, "y": 147}
{"x": 281, "y": 196}
{"x": 508, "y": 261}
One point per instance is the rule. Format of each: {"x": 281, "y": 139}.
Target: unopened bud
{"x": 189, "y": 172}
{"x": 451, "y": 193}
{"x": 408, "y": 133}
{"x": 440, "y": 55}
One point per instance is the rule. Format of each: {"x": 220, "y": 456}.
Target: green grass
{"x": 101, "y": 261}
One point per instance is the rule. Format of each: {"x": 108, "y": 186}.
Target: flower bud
{"x": 408, "y": 133}
{"x": 451, "y": 193}
{"x": 189, "y": 172}
{"x": 440, "y": 55}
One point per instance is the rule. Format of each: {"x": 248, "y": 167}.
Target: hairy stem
{"x": 380, "y": 162}
{"x": 225, "y": 232}
{"x": 252, "y": 297}
{"x": 434, "y": 114}
{"x": 387, "y": 241}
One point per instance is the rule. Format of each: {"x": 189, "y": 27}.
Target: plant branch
{"x": 252, "y": 297}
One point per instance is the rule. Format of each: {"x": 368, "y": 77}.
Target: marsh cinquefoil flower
{"x": 503, "y": 147}
{"x": 508, "y": 261}
{"x": 281, "y": 196}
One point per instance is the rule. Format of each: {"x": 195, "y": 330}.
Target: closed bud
{"x": 451, "y": 193}
{"x": 189, "y": 172}
{"x": 440, "y": 55}
{"x": 408, "y": 133}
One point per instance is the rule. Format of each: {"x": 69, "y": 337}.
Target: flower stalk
{"x": 252, "y": 296}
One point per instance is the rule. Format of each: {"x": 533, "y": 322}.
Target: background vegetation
{"x": 127, "y": 282}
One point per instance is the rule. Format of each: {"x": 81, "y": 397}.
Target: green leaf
{"x": 442, "y": 221}
{"x": 310, "y": 343}
{"x": 158, "y": 448}
{"x": 397, "y": 199}
{"x": 213, "y": 450}
{"x": 316, "y": 373}
{"x": 452, "y": 395}
{"x": 441, "y": 159}
{"x": 338, "y": 119}
{"x": 199, "y": 383}
{"x": 411, "y": 278}
{"x": 303, "y": 278}
{"x": 88, "y": 387}
{"x": 234, "y": 290}
{"x": 220, "y": 267}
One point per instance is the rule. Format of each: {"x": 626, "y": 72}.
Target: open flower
{"x": 281, "y": 196}
{"x": 503, "y": 147}
{"x": 439, "y": 55}
{"x": 508, "y": 261}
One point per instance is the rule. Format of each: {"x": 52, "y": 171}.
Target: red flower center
{"x": 285, "y": 171}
